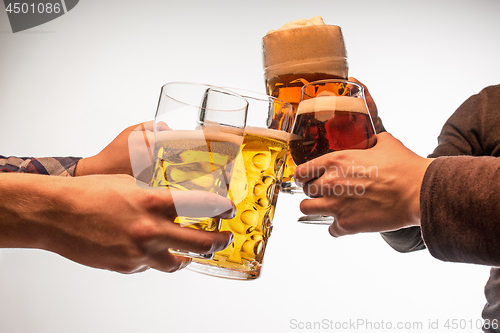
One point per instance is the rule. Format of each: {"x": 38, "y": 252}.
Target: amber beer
{"x": 331, "y": 123}
{"x": 195, "y": 160}
{"x": 288, "y": 86}
{"x": 254, "y": 187}
{"x": 298, "y": 56}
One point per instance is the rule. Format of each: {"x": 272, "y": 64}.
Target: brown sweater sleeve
{"x": 460, "y": 209}
{"x": 472, "y": 130}
{"x": 460, "y": 195}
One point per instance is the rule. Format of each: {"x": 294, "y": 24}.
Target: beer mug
{"x": 198, "y": 134}
{"x": 331, "y": 116}
{"x": 254, "y": 188}
{"x": 298, "y": 56}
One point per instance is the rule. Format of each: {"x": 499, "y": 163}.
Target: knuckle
{"x": 347, "y": 226}
{"x": 124, "y": 267}
{"x": 154, "y": 200}
{"x": 331, "y": 180}
{"x": 149, "y": 198}
{"x": 333, "y": 159}
{"x": 133, "y": 255}
{"x": 302, "y": 171}
{"x": 141, "y": 239}
{"x": 167, "y": 262}
{"x": 341, "y": 158}
{"x": 174, "y": 267}
{"x": 144, "y": 232}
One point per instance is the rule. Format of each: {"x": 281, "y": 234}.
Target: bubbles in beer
{"x": 194, "y": 163}
{"x": 262, "y": 160}
{"x": 250, "y": 217}
{"x": 264, "y": 153}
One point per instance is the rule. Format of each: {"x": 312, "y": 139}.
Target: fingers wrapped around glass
{"x": 198, "y": 135}
{"x": 332, "y": 116}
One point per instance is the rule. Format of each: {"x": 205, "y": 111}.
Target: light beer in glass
{"x": 254, "y": 188}
{"x": 198, "y": 134}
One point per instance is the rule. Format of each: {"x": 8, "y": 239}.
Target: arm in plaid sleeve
{"x": 57, "y": 166}
{"x": 113, "y": 159}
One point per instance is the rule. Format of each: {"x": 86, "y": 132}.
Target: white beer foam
{"x": 208, "y": 133}
{"x": 315, "y": 20}
{"x": 305, "y": 46}
{"x": 333, "y": 103}
{"x": 270, "y": 133}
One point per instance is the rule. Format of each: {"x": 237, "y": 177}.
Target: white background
{"x": 70, "y": 86}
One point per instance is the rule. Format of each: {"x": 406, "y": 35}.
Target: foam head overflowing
{"x": 305, "y": 46}
{"x": 208, "y": 133}
{"x": 333, "y": 104}
{"x": 270, "y": 133}
{"x": 315, "y": 20}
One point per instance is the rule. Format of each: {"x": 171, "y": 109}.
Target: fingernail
{"x": 185, "y": 263}
{"x": 231, "y": 239}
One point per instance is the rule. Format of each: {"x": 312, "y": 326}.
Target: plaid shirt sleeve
{"x": 57, "y": 166}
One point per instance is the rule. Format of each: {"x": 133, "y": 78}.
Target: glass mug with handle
{"x": 295, "y": 57}
{"x": 254, "y": 188}
{"x": 198, "y": 134}
{"x": 331, "y": 116}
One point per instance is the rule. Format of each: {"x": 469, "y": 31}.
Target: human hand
{"x": 130, "y": 153}
{"x": 372, "y": 190}
{"x": 107, "y": 221}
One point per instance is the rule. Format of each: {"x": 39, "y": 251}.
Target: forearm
{"x": 460, "y": 211}
{"x": 26, "y": 203}
{"x": 463, "y": 134}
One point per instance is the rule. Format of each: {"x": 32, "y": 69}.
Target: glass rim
{"x": 251, "y": 95}
{"x": 256, "y": 93}
{"x": 223, "y": 90}
{"x": 325, "y": 81}
{"x": 333, "y": 80}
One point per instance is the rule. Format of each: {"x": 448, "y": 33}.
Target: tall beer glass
{"x": 254, "y": 188}
{"x": 198, "y": 134}
{"x": 331, "y": 116}
{"x": 294, "y": 57}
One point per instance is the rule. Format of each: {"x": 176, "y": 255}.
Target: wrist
{"x": 420, "y": 169}
{"x": 79, "y": 168}
{"x": 102, "y": 164}
{"x": 84, "y": 167}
